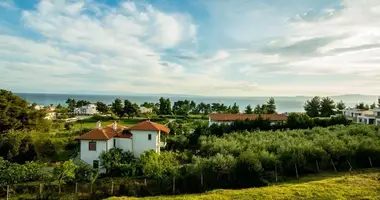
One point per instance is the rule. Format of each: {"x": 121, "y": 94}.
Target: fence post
{"x": 316, "y": 161}
{"x": 275, "y": 172}
{"x": 173, "y": 184}
{"x": 295, "y": 165}
{"x": 370, "y": 161}
{"x": 7, "y": 192}
{"x": 349, "y": 165}
{"x": 201, "y": 179}
{"x": 333, "y": 165}
{"x": 41, "y": 189}
{"x": 76, "y": 187}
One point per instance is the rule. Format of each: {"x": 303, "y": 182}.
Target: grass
{"x": 340, "y": 186}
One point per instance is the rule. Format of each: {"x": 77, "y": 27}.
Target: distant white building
{"x": 136, "y": 139}
{"x": 363, "y": 116}
{"x": 39, "y": 107}
{"x": 145, "y": 110}
{"x": 89, "y": 109}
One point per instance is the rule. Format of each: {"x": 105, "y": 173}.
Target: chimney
{"x": 114, "y": 125}
{"x": 98, "y": 124}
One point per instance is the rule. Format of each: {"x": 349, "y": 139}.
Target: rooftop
{"x": 149, "y": 126}
{"x": 107, "y": 132}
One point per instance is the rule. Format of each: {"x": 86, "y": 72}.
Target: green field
{"x": 327, "y": 186}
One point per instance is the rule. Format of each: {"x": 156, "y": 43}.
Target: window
{"x": 114, "y": 142}
{"x": 92, "y": 146}
{"x": 149, "y": 136}
{"x": 95, "y": 164}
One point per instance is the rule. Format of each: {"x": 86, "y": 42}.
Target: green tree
{"x": 64, "y": 172}
{"x": 118, "y": 163}
{"x": 71, "y": 104}
{"x": 165, "y": 107}
{"x": 102, "y": 107}
{"x": 235, "y": 109}
{"x": 258, "y": 109}
{"x": 248, "y": 110}
{"x": 117, "y": 107}
{"x": 327, "y": 107}
{"x": 85, "y": 173}
{"x": 130, "y": 109}
{"x": 271, "y": 106}
{"x": 313, "y": 107}
{"x": 17, "y": 146}
{"x": 81, "y": 103}
{"x": 340, "y": 106}
{"x": 160, "y": 166}
{"x": 15, "y": 113}
{"x": 373, "y": 106}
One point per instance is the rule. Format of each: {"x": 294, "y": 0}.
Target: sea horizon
{"x": 283, "y": 103}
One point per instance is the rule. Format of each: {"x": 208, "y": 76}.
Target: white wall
{"x": 124, "y": 143}
{"x": 141, "y": 143}
{"x": 89, "y": 156}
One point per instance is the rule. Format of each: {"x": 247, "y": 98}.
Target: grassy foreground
{"x": 350, "y": 186}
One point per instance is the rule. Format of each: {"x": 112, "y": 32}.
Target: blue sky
{"x": 213, "y": 47}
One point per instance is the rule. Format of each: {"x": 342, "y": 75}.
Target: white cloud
{"x": 86, "y": 45}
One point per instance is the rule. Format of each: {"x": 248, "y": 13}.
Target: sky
{"x": 195, "y": 47}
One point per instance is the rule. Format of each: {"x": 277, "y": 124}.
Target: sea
{"x": 284, "y": 104}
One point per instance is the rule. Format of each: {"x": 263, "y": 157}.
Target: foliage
{"x": 64, "y": 172}
{"x": 313, "y": 107}
{"x": 102, "y": 107}
{"x": 16, "y": 113}
{"x": 12, "y": 173}
{"x": 71, "y": 104}
{"x": 340, "y": 106}
{"x": 118, "y": 163}
{"x": 81, "y": 103}
{"x": 271, "y": 106}
{"x": 258, "y": 109}
{"x": 248, "y": 110}
{"x": 130, "y": 109}
{"x": 327, "y": 107}
{"x": 372, "y": 106}
{"x": 165, "y": 107}
{"x": 159, "y": 166}
{"x": 17, "y": 146}
{"x": 362, "y": 106}
{"x": 117, "y": 107}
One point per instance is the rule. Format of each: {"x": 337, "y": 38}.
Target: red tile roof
{"x": 233, "y": 117}
{"x": 149, "y": 126}
{"x": 104, "y": 133}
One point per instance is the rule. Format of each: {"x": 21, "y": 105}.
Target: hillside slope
{"x": 360, "y": 186}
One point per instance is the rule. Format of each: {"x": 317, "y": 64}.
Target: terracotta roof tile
{"x": 233, "y": 117}
{"x": 149, "y": 126}
{"x": 104, "y": 133}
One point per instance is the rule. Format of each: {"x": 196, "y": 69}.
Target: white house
{"x": 363, "y": 116}
{"x": 89, "y": 109}
{"x": 353, "y": 113}
{"x": 145, "y": 110}
{"x": 229, "y": 118}
{"x": 137, "y": 139}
